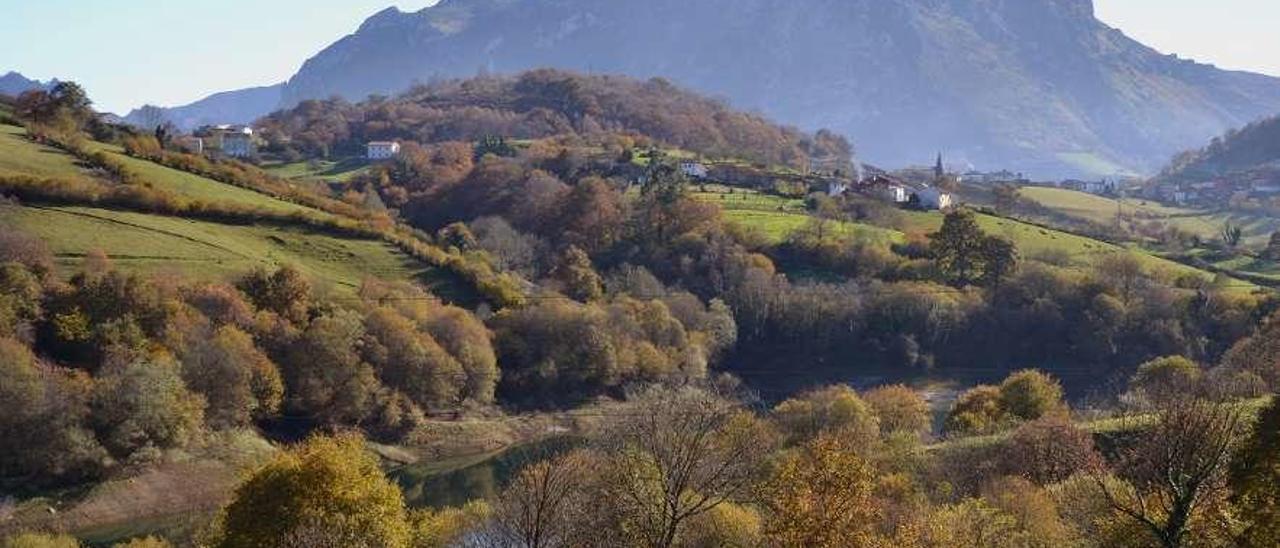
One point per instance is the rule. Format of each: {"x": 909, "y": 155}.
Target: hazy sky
{"x": 129, "y": 52}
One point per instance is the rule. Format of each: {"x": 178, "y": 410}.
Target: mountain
{"x": 1039, "y": 86}
{"x": 230, "y": 107}
{"x": 1247, "y": 155}
{"x": 12, "y": 84}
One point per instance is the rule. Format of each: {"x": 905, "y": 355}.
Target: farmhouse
{"x": 229, "y": 140}
{"x": 885, "y": 188}
{"x": 694, "y": 170}
{"x": 382, "y": 150}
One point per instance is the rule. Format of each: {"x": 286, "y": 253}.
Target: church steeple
{"x": 938, "y": 171}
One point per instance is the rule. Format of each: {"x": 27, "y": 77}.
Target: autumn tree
{"x": 1170, "y": 377}
{"x": 145, "y": 405}
{"x": 1049, "y": 450}
{"x": 1176, "y": 471}
{"x": 821, "y": 496}
{"x": 237, "y": 379}
{"x": 39, "y": 540}
{"x": 834, "y": 409}
{"x": 676, "y": 454}
{"x": 899, "y": 409}
{"x": 1031, "y": 394}
{"x": 543, "y": 506}
{"x": 325, "y": 374}
{"x": 285, "y": 292}
{"x": 574, "y": 274}
{"x": 976, "y": 411}
{"x": 1255, "y": 480}
{"x": 327, "y": 488}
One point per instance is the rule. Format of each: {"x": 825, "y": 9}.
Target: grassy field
{"x": 778, "y": 217}
{"x": 201, "y": 188}
{"x": 1100, "y": 209}
{"x": 150, "y": 243}
{"x": 336, "y": 171}
{"x": 18, "y": 156}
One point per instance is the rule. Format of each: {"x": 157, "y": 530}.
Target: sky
{"x": 116, "y": 48}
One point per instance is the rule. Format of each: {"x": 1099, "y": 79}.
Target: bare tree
{"x": 1176, "y": 468}
{"x": 541, "y": 506}
{"x": 678, "y": 453}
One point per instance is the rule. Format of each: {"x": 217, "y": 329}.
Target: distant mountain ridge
{"x": 13, "y": 84}
{"x": 230, "y": 107}
{"x": 1034, "y": 85}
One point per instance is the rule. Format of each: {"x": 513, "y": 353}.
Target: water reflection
{"x": 423, "y": 487}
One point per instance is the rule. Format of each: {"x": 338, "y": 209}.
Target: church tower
{"x": 938, "y": 171}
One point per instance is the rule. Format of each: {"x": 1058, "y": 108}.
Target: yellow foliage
{"x": 327, "y": 487}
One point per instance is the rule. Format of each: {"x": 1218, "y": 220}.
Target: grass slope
{"x": 200, "y": 188}
{"x": 1100, "y": 209}
{"x": 339, "y": 171}
{"x": 778, "y": 217}
{"x": 200, "y": 249}
{"x": 18, "y": 156}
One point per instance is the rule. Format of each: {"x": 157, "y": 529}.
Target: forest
{"x": 1102, "y": 402}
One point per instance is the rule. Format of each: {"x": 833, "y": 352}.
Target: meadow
{"x": 202, "y": 249}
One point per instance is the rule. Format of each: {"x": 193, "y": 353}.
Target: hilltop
{"x": 14, "y": 83}
{"x": 550, "y": 103}
{"x": 1247, "y": 155}
{"x": 1039, "y": 86}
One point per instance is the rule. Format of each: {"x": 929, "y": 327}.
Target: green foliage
{"x": 327, "y": 489}
{"x": 966, "y": 255}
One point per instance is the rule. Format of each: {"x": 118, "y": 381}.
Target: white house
{"x": 693, "y": 170}
{"x": 237, "y": 142}
{"x": 382, "y": 150}
{"x": 934, "y": 198}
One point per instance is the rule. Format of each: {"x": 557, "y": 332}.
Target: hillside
{"x": 1039, "y": 86}
{"x": 548, "y": 103}
{"x": 1247, "y": 155}
{"x": 198, "y": 248}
